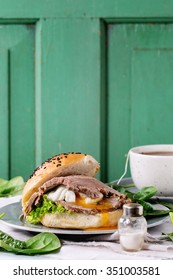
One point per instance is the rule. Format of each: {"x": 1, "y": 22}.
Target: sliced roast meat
{"x": 108, "y": 204}
{"x": 76, "y": 208}
{"x": 31, "y": 202}
{"x": 78, "y": 183}
{"x": 89, "y": 186}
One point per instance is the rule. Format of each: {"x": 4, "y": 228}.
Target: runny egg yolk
{"x": 62, "y": 193}
{"x": 105, "y": 218}
{"x": 106, "y": 223}
{"x": 101, "y": 205}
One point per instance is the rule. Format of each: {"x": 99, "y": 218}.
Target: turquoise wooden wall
{"x": 91, "y": 76}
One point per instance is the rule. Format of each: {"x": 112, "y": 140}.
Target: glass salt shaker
{"x": 132, "y": 227}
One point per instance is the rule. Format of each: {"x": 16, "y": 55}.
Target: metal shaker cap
{"x": 133, "y": 209}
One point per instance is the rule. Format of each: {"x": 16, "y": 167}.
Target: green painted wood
{"x": 17, "y": 100}
{"x": 22, "y": 104}
{"x": 4, "y": 117}
{"x": 140, "y": 61}
{"x": 77, "y": 77}
{"x": 70, "y": 86}
{"x": 82, "y": 8}
{"x": 103, "y": 101}
{"x": 152, "y": 109}
{"x": 38, "y": 93}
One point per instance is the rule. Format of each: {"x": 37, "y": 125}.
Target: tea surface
{"x": 159, "y": 153}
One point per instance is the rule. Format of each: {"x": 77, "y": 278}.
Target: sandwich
{"x": 64, "y": 193}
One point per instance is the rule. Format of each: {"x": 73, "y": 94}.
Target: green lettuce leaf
{"x": 47, "y": 206}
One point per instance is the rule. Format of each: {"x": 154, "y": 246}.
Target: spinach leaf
{"x": 3, "y": 182}
{"x": 169, "y": 235}
{"x": 167, "y": 204}
{"x": 148, "y": 208}
{"x": 145, "y": 193}
{"x": 41, "y": 243}
{"x": 11, "y": 187}
{"x": 171, "y": 216}
{"x": 156, "y": 212}
{"x": 150, "y": 211}
{"x": 118, "y": 187}
{"x": 143, "y": 197}
{"x": 2, "y": 215}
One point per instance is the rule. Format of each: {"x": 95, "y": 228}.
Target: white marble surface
{"x": 94, "y": 250}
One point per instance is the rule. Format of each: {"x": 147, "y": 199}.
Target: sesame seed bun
{"x": 60, "y": 165}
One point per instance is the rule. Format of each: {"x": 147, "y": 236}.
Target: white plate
{"x": 14, "y": 218}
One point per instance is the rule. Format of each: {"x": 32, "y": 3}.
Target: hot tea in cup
{"x": 152, "y": 165}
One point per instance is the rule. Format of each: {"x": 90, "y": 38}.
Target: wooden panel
{"x": 70, "y": 78}
{"x": 118, "y": 99}
{"x": 92, "y": 8}
{"x": 152, "y": 104}
{"x": 22, "y": 105}
{"x": 4, "y": 118}
{"x": 17, "y": 100}
{"x": 38, "y": 93}
{"x": 70, "y": 83}
{"x": 140, "y": 86}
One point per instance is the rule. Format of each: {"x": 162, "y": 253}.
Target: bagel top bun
{"x": 60, "y": 165}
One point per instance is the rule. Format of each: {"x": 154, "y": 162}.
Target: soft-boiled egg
{"x": 62, "y": 193}
{"x": 89, "y": 200}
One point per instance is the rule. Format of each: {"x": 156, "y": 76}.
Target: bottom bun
{"x": 81, "y": 221}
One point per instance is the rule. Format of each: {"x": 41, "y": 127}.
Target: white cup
{"x": 152, "y": 165}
